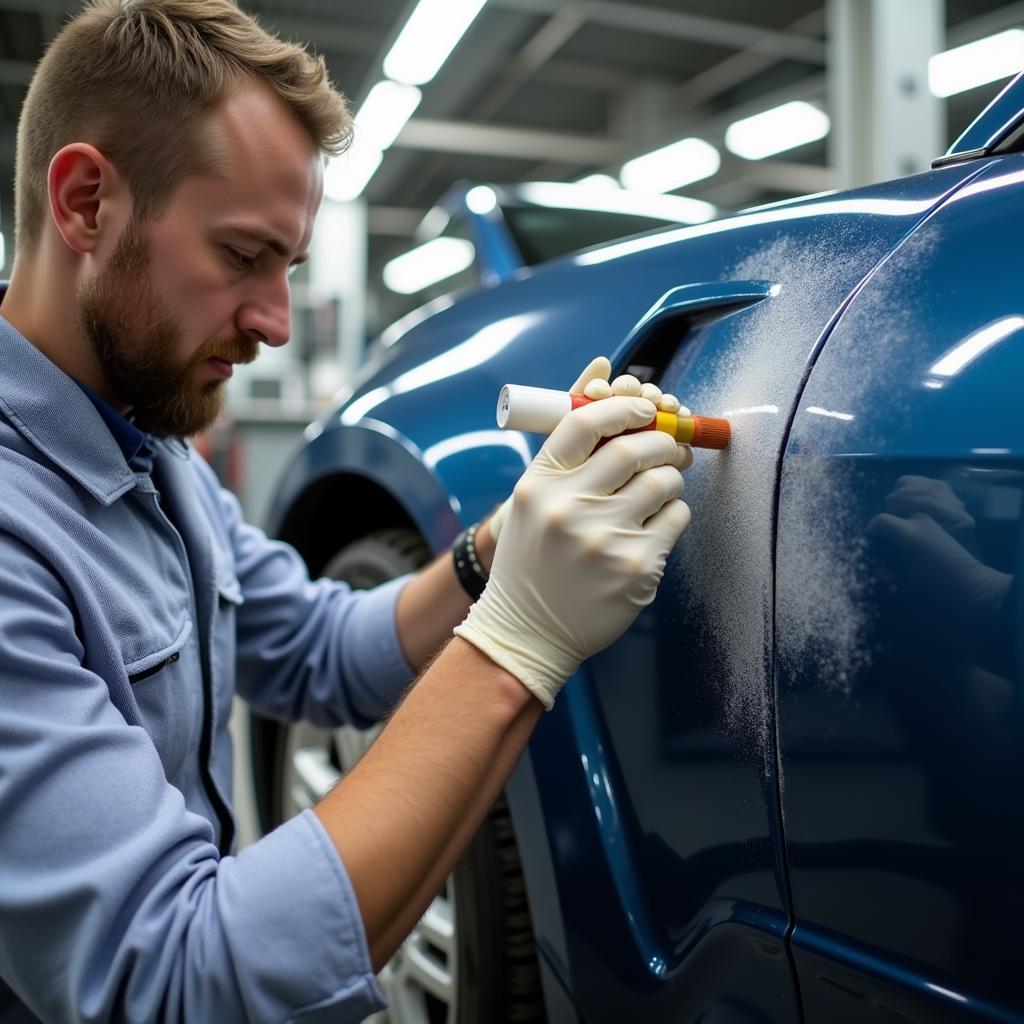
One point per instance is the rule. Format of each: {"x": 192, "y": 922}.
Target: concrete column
{"x": 885, "y": 121}
{"x": 337, "y": 267}
{"x": 644, "y": 118}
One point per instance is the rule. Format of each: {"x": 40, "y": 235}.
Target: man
{"x": 169, "y": 170}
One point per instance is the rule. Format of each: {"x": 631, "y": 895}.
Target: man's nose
{"x": 267, "y": 315}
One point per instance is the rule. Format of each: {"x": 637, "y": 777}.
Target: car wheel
{"x": 471, "y": 957}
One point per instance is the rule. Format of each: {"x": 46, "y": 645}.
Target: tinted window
{"x": 543, "y": 233}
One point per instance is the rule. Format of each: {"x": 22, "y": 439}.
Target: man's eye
{"x": 243, "y": 261}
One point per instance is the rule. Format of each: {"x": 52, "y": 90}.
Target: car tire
{"x": 471, "y": 958}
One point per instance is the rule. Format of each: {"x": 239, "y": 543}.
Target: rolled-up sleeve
{"x": 115, "y": 904}
{"x": 311, "y": 650}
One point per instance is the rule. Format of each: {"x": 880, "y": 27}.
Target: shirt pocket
{"x": 165, "y": 686}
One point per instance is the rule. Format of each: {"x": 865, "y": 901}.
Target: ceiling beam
{"x": 537, "y": 52}
{"x": 679, "y": 124}
{"x": 679, "y": 25}
{"x": 381, "y": 50}
{"x": 1010, "y": 16}
{"x": 516, "y": 143}
{"x": 578, "y": 74}
{"x": 747, "y": 177}
{"x": 406, "y": 172}
{"x": 739, "y": 67}
{"x": 802, "y": 178}
{"x": 713, "y": 126}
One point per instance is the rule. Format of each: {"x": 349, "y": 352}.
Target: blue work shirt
{"x": 132, "y": 605}
{"x": 134, "y": 443}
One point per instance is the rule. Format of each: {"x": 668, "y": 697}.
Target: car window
{"x": 543, "y": 233}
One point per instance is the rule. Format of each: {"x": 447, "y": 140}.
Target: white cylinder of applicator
{"x": 533, "y": 410}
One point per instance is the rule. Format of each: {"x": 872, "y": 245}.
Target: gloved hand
{"x": 914, "y": 495}
{"x": 593, "y": 382}
{"x": 584, "y": 545}
{"x": 931, "y": 532}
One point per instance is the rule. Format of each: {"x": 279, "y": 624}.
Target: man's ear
{"x": 85, "y": 194}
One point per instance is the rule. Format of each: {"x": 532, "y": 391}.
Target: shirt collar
{"x": 131, "y": 440}
{"x": 52, "y": 412}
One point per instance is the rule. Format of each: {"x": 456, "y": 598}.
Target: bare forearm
{"x": 434, "y": 603}
{"x": 507, "y": 758}
{"x": 402, "y": 816}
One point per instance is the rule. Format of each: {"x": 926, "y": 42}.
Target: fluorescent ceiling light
{"x": 671, "y": 166}
{"x": 776, "y": 130}
{"x": 581, "y": 196}
{"x": 428, "y": 38}
{"x": 384, "y": 113}
{"x": 599, "y": 180}
{"x": 427, "y": 264}
{"x": 347, "y": 175}
{"x": 987, "y": 60}
{"x": 481, "y": 199}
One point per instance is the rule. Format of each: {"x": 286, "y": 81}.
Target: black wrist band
{"x": 468, "y": 569}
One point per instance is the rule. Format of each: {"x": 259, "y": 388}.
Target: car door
{"x": 658, "y": 767}
{"x": 899, "y": 631}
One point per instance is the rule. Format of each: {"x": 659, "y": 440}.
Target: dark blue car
{"x": 793, "y": 791}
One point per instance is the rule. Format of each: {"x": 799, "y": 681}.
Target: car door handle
{"x": 650, "y": 345}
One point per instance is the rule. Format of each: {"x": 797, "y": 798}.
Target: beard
{"x": 136, "y": 339}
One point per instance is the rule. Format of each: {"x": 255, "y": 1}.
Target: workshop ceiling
{"x": 550, "y": 89}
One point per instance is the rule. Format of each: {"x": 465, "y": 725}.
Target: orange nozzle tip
{"x": 711, "y": 432}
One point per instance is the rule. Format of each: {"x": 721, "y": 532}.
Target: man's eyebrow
{"x": 272, "y": 243}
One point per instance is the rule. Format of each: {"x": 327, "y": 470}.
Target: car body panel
{"x": 681, "y": 753}
{"x": 900, "y": 631}
{"x": 655, "y": 778}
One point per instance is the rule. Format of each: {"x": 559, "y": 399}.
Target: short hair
{"x": 135, "y": 77}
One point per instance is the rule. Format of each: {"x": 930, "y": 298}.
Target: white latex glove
{"x": 584, "y": 545}
{"x": 932, "y": 533}
{"x": 594, "y": 383}
{"x": 934, "y": 498}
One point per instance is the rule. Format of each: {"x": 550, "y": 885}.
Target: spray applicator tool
{"x": 538, "y": 411}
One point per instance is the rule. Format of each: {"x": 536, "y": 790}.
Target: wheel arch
{"x": 335, "y": 510}
{"x": 349, "y": 481}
